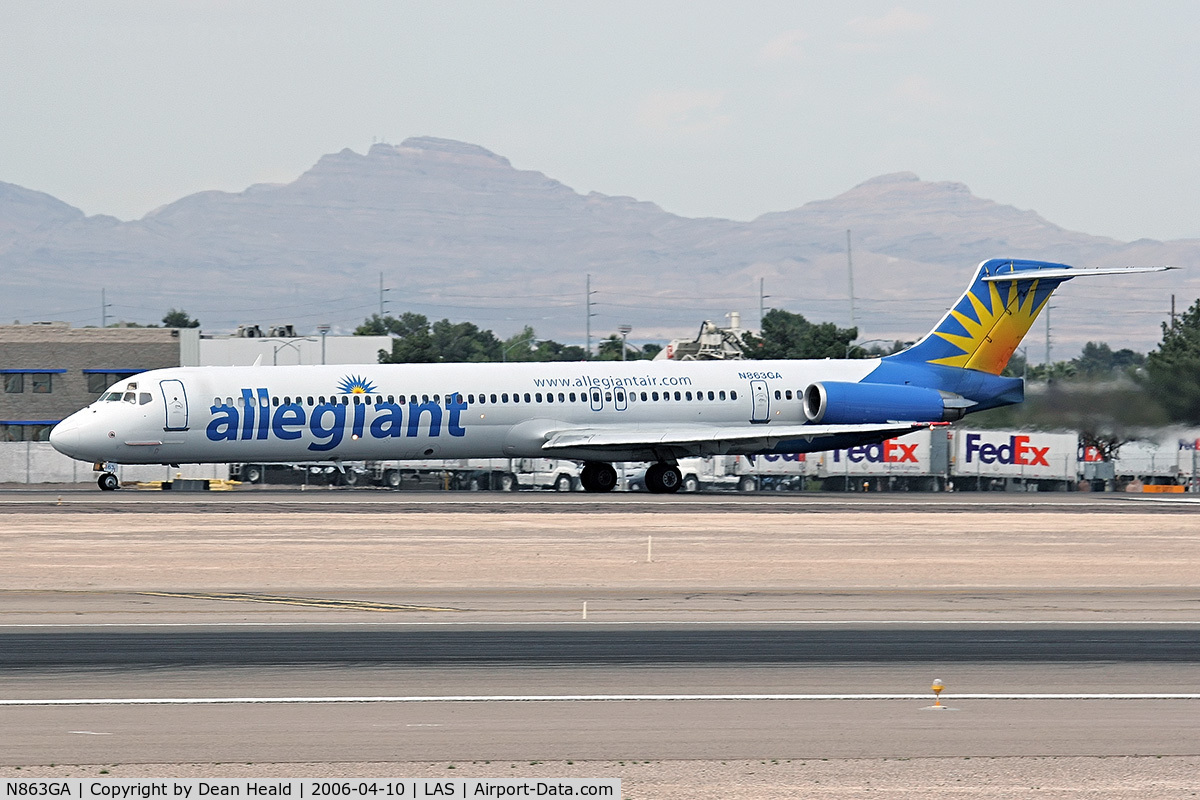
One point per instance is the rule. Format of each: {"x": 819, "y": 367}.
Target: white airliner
{"x": 597, "y": 412}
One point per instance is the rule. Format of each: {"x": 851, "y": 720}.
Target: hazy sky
{"x": 1084, "y": 112}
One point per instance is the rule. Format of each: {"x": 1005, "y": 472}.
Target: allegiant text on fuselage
{"x": 327, "y": 422}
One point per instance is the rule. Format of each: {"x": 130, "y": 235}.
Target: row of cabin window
{"x": 504, "y": 397}
{"x": 787, "y": 394}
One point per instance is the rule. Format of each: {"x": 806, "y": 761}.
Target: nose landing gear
{"x": 108, "y": 482}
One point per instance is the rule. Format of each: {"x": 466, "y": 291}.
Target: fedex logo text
{"x": 777, "y": 457}
{"x": 1017, "y": 451}
{"x": 889, "y": 452}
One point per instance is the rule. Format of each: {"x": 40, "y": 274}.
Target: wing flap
{"x": 684, "y": 435}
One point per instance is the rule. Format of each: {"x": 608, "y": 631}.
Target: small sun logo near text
{"x": 354, "y": 384}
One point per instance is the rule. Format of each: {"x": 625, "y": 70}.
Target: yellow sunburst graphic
{"x": 1001, "y": 325}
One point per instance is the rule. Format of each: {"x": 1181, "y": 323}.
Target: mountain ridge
{"x": 448, "y": 222}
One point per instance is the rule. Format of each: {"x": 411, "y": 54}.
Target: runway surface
{"x": 326, "y": 626}
{"x": 615, "y": 646}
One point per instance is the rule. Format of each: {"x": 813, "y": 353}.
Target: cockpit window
{"x": 143, "y": 398}
{"x": 130, "y": 397}
{"x": 112, "y": 396}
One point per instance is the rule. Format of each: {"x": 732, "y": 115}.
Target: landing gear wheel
{"x": 597, "y": 476}
{"x": 663, "y": 479}
{"x": 108, "y": 482}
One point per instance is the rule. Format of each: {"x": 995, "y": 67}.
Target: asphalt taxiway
{"x": 276, "y": 626}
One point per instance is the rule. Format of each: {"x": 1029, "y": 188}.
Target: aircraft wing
{"x": 697, "y": 436}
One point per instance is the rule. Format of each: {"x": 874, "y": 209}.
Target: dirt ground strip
{"x": 349, "y": 550}
{"x": 1142, "y": 777}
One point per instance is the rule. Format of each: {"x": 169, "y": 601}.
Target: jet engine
{"x": 839, "y": 403}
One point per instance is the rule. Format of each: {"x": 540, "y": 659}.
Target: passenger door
{"x": 175, "y": 399}
{"x": 760, "y": 398}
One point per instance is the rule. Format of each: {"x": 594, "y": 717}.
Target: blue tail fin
{"x": 983, "y": 329}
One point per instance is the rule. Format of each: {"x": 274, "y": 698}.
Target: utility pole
{"x": 381, "y": 291}
{"x": 104, "y": 310}
{"x": 850, "y": 277}
{"x": 588, "y": 304}
{"x": 1047, "y": 343}
{"x": 1172, "y": 312}
{"x": 761, "y": 305}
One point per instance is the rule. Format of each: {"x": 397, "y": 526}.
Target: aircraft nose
{"x": 64, "y": 437}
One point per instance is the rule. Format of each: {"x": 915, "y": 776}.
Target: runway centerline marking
{"x": 585, "y": 698}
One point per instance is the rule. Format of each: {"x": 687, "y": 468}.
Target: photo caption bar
{"x": 296, "y": 789}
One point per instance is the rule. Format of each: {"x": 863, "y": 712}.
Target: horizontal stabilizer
{"x": 1048, "y": 274}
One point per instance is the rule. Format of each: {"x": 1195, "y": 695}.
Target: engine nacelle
{"x": 838, "y": 403}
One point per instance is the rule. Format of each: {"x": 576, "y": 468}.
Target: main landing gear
{"x": 661, "y": 478}
{"x": 596, "y": 476}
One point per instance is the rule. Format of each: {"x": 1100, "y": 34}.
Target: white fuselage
{"x": 389, "y": 411}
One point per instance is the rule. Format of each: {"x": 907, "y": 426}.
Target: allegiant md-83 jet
{"x": 596, "y": 412}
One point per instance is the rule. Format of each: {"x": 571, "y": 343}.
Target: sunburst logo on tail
{"x": 354, "y": 384}
{"x": 989, "y": 322}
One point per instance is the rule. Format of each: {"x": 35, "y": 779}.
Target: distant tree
{"x": 376, "y": 325}
{"x": 550, "y": 350}
{"x": 178, "y": 318}
{"x": 650, "y": 350}
{"x": 416, "y": 341}
{"x": 463, "y": 341}
{"x": 610, "y": 349}
{"x": 412, "y": 343}
{"x": 1098, "y": 361}
{"x": 788, "y": 335}
{"x": 1173, "y": 370}
{"x": 521, "y": 346}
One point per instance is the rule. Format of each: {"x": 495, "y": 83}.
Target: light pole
{"x": 624, "y": 331}
{"x": 323, "y": 329}
{"x": 287, "y": 343}
{"x": 526, "y": 340}
{"x": 852, "y": 346}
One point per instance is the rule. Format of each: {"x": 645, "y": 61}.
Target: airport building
{"x": 50, "y": 370}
